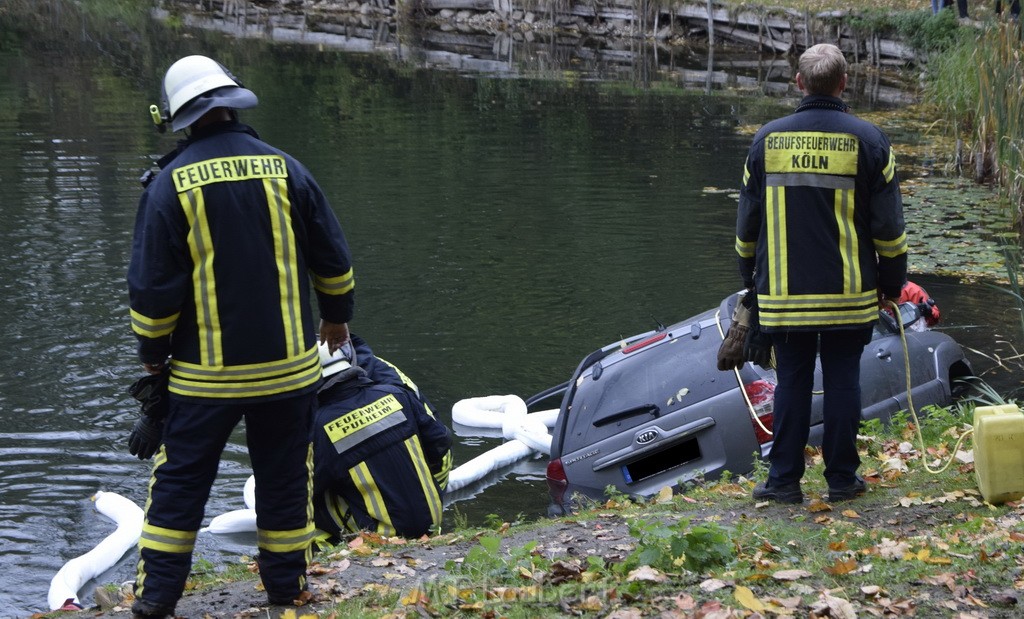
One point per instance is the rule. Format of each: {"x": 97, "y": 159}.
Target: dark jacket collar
{"x": 230, "y": 126}
{"x": 822, "y": 102}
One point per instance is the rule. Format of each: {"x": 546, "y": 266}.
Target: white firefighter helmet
{"x": 340, "y": 367}
{"x": 341, "y": 360}
{"x": 194, "y": 85}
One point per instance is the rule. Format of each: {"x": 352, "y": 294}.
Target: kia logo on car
{"x": 646, "y": 437}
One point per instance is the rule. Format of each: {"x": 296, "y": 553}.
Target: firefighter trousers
{"x": 796, "y": 352}
{"x": 278, "y": 440}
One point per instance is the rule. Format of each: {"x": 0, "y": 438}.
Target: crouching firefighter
{"x": 381, "y": 459}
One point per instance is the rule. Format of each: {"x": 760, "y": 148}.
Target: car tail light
{"x": 557, "y": 481}
{"x": 761, "y": 394}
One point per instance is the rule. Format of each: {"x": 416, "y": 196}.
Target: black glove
{"x": 146, "y": 437}
{"x": 148, "y": 432}
{"x": 151, "y": 391}
{"x": 758, "y": 347}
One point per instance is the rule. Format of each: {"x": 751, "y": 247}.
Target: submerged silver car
{"x": 655, "y": 411}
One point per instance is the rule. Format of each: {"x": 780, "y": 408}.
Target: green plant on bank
{"x": 486, "y": 560}
{"x": 493, "y": 521}
{"x": 671, "y": 546}
{"x": 458, "y": 518}
{"x": 205, "y": 574}
{"x": 978, "y": 86}
{"x": 760, "y": 471}
{"x": 1013, "y": 257}
{"x": 999, "y": 110}
{"x": 919, "y": 29}
{"x": 614, "y": 494}
{"x": 984, "y": 394}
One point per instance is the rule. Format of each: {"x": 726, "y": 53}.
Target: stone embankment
{"x": 665, "y": 22}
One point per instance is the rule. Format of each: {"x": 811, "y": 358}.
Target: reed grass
{"x": 978, "y": 84}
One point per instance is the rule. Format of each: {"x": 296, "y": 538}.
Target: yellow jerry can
{"x": 999, "y": 452}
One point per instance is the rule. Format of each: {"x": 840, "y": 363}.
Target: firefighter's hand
{"x": 334, "y": 334}
{"x": 146, "y": 437}
{"x": 886, "y": 301}
{"x": 730, "y": 353}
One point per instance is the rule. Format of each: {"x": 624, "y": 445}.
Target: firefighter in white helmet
{"x": 230, "y": 236}
{"x": 382, "y": 456}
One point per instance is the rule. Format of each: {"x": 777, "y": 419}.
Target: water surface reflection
{"x": 502, "y": 230}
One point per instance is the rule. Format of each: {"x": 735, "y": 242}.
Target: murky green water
{"x": 502, "y": 229}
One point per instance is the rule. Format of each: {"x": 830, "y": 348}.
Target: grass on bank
{"x": 916, "y": 543}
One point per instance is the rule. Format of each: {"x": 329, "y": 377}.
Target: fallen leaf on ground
{"x": 831, "y": 606}
{"x": 892, "y": 550}
{"x": 748, "y": 600}
{"x": 646, "y": 573}
{"x": 841, "y": 567}
{"x": 791, "y": 574}
{"x": 592, "y": 604}
{"x": 713, "y": 584}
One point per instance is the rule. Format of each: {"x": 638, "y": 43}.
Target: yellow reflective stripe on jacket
{"x": 808, "y": 310}
{"x": 778, "y": 266}
{"x": 285, "y": 541}
{"x": 248, "y": 380}
{"x": 890, "y": 169}
{"x": 401, "y": 375}
{"x": 816, "y": 301}
{"x": 374, "y": 501}
{"x": 335, "y": 285}
{"x": 807, "y": 319}
{"x": 189, "y": 181}
{"x": 419, "y": 462}
{"x": 849, "y": 244}
{"x": 153, "y": 327}
{"x": 893, "y": 248}
{"x": 166, "y": 540}
{"x": 284, "y": 252}
{"x": 200, "y": 246}
{"x": 225, "y": 169}
{"x": 441, "y": 477}
{"x": 745, "y": 249}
